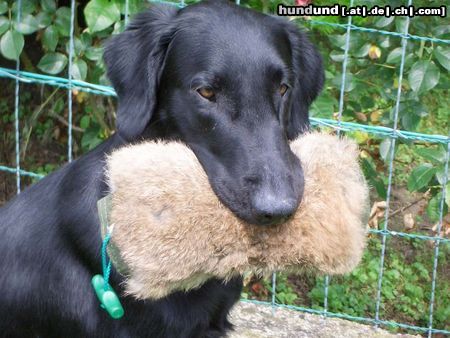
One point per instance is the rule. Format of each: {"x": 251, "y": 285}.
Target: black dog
{"x": 235, "y": 86}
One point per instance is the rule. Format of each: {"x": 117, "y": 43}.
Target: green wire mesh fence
{"x": 392, "y": 133}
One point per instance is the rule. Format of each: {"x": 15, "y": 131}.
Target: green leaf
{"x": 374, "y": 178}
{"x": 323, "y": 106}
{"x": 395, "y": 55}
{"x": 385, "y": 42}
{"x": 119, "y": 27}
{"x": 3, "y": 7}
{"x": 26, "y": 7}
{"x": 400, "y": 24}
{"x": 442, "y": 54}
{"x": 423, "y": 76}
{"x": 434, "y": 207}
{"x": 441, "y": 30}
{"x": 363, "y": 51}
{"x": 86, "y": 39}
{"x": 417, "y": 108}
{"x": 11, "y": 44}
{"x": 447, "y": 194}
{"x": 384, "y": 21}
{"x": 79, "y": 70}
{"x": 4, "y": 24}
{"x": 28, "y": 25}
{"x": 336, "y": 56}
{"x": 350, "y": 82}
{"x": 52, "y": 63}
{"x": 62, "y": 21}
{"x": 48, "y": 5}
{"x": 101, "y": 14}
{"x": 410, "y": 121}
{"x": 440, "y": 174}
{"x": 90, "y": 138}
{"x": 134, "y": 6}
{"x": 94, "y": 53}
{"x": 85, "y": 121}
{"x": 434, "y": 155}
{"x": 43, "y": 19}
{"x": 385, "y": 150}
{"x": 50, "y": 38}
{"x": 421, "y": 176}
{"x": 78, "y": 46}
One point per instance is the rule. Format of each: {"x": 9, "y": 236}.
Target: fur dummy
{"x": 172, "y": 233}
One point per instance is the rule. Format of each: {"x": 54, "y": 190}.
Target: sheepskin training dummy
{"x": 171, "y": 233}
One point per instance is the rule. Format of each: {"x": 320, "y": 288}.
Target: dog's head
{"x": 234, "y": 85}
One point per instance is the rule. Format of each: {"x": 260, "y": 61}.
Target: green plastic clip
{"x": 107, "y": 297}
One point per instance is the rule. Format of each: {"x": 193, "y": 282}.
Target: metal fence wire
{"x": 392, "y": 133}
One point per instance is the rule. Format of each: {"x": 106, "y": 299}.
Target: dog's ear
{"x": 308, "y": 80}
{"x": 134, "y": 61}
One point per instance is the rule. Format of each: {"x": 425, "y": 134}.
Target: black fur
{"x": 49, "y": 234}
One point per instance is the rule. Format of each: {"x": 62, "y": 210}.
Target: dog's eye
{"x": 283, "y": 89}
{"x": 206, "y": 92}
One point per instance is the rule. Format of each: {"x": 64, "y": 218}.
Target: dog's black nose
{"x": 270, "y": 210}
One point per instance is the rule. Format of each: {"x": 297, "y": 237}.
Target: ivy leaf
{"x": 119, "y": 27}
{"x": 373, "y": 177}
{"x": 52, "y": 63}
{"x": 323, "y": 106}
{"x": 434, "y": 155}
{"x": 26, "y": 7}
{"x": 134, "y": 6}
{"x": 43, "y": 19}
{"x": 421, "y": 176}
{"x": 442, "y": 54}
{"x": 3, "y": 7}
{"x": 78, "y": 45}
{"x": 11, "y": 44}
{"x": 400, "y": 24}
{"x": 101, "y": 14}
{"x": 337, "y": 56}
{"x": 86, "y": 39}
{"x": 423, "y": 76}
{"x": 90, "y": 138}
{"x": 50, "y": 38}
{"x": 48, "y": 5}
{"x": 85, "y": 121}
{"x": 363, "y": 51}
{"x": 350, "y": 82}
{"x": 385, "y": 150}
{"x": 384, "y": 21}
{"x": 28, "y": 25}
{"x": 94, "y": 53}
{"x": 440, "y": 174}
{"x": 434, "y": 207}
{"x": 79, "y": 70}
{"x": 441, "y": 30}
{"x": 62, "y": 21}
{"x": 4, "y": 24}
{"x": 395, "y": 55}
{"x": 447, "y": 194}
{"x": 410, "y": 121}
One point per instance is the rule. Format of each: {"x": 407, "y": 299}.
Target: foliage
{"x": 405, "y": 289}
{"x": 285, "y": 292}
{"x": 371, "y": 87}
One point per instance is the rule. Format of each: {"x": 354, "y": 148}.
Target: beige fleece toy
{"x": 172, "y": 233}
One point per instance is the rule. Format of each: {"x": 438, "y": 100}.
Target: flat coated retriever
{"x": 235, "y": 86}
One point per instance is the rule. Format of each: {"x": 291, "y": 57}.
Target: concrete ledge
{"x": 256, "y": 321}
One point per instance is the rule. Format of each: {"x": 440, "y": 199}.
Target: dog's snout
{"x": 271, "y": 210}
